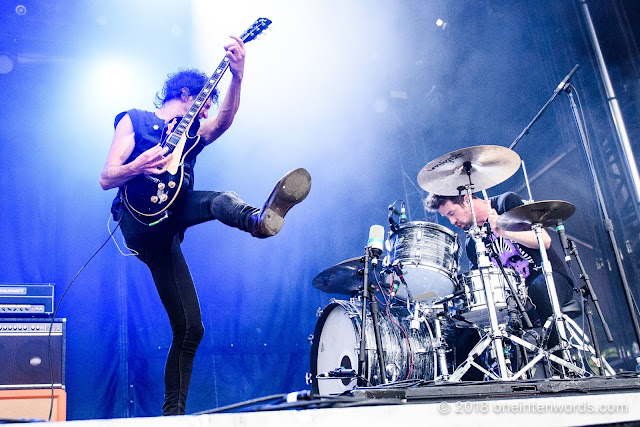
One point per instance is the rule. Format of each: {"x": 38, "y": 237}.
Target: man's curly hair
{"x": 191, "y": 79}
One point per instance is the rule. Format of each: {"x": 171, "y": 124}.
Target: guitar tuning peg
{"x": 262, "y": 34}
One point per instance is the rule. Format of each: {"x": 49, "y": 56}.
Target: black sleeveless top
{"x": 147, "y": 129}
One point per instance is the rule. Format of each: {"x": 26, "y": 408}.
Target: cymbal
{"x": 342, "y": 278}
{"x": 490, "y": 165}
{"x": 545, "y": 212}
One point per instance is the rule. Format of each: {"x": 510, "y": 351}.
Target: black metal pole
{"x": 608, "y": 225}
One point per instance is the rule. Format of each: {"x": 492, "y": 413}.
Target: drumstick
{"x": 486, "y": 199}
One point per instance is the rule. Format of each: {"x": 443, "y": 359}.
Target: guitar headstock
{"x": 255, "y": 30}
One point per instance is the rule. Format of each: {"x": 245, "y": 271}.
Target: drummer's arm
{"x": 525, "y": 238}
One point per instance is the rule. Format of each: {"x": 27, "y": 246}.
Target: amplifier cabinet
{"x": 33, "y": 404}
{"x": 29, "y": 357}
{"x": 26, "y": 299}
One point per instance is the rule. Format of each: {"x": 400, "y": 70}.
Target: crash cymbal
{"x": 490, "y": 165}
{"x": 545, "y": 212}
{"x": 342, "y": 278}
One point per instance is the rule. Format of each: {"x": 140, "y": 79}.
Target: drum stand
{"x": 369, "y": 296}
{"x": 494, "y": 334}
{"x": 557, "y": 317}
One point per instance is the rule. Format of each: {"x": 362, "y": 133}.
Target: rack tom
{"x": 428, "y": 254}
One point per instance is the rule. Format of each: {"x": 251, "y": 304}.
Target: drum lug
{"x": 310, "y": 339}
{"x": 319, "y": 312}
{"x": 308, "y": 378}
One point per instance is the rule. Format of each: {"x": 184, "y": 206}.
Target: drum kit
{"x": 426, "y": 301}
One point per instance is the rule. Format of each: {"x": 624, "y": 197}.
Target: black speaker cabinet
{"x": 30, "y": 356}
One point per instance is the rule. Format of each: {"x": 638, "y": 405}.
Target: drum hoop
{"x": 450, "y": 273}
{"x": 315, "y": 343}
{"x": 426, "y": 224}
{"x": 492, "y": 270}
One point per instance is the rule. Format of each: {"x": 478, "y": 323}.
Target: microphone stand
{"x": 608, "y": 225}
{"x": 565, "y": 86}
{"x": 558, "y": 89}
{"x": 373, "y": 308}
{"x": 587, "y": 292}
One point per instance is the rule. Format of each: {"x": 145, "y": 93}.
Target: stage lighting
{"x": 21, "y": 9}
{"x": 440, "y": 23}
{"x": 6, "y": 63}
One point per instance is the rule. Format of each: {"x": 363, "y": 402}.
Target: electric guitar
{"x": 150, "y": 196}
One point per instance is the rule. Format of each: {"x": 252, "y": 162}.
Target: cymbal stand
{"x": 553, "y": 295}
{"x": 579, "y": 341}
{"x": 494, "y": 333}
{"x": 369, "y": 296}
{"x": 587, "y": 293}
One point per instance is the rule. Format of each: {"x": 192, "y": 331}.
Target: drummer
{"x": 517, "y": 250}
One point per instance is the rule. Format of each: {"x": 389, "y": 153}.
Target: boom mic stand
{"x": 587, "y": 293}
{"x": 608, "y": 225}
{"x": 369, "y": 296}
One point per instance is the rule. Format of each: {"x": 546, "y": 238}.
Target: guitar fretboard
{"x": 177, "y": 133}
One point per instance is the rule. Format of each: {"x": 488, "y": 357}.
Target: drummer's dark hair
{"x": 433, "y": 202}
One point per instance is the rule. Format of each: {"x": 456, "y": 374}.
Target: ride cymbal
{"x": 489, "y": 165}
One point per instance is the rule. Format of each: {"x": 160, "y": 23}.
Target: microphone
{"x": 403, "y": 214}
{"x": 339, "y": 373}
{"x": 398, "y": 270}
{"x": 563, "y": 241}
{"x": 563, "y": 83}
{"x": 376, "y": 241}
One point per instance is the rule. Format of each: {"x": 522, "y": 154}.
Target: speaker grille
{"x": 29, "y": 356}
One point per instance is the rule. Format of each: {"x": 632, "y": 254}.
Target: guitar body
{"x": 149, "y": 196}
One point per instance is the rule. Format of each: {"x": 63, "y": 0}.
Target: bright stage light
{"x": 6, "y": 63}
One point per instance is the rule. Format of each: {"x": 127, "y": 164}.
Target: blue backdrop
{"x": 362, "y": 96}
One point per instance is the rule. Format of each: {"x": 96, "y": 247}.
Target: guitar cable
{"x": 124, "y": 243}
{"x": 165, "y": 216}
{"x": 55, "y": 312}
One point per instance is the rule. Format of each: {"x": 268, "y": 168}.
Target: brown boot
{"x": 289, "y": 191}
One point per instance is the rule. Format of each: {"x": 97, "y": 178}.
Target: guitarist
{"x": 134, "y": 152}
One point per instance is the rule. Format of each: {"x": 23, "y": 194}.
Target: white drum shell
{"x": 429, "y": 256}
{"x": 336, "y": 343}
{"x": 473, "y": 305}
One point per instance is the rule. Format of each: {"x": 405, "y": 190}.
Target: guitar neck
{"x": 201, "y": 99}
{"x": 176, "y": 134}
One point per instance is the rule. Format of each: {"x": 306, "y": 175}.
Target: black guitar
{"x": 149, "y": 196}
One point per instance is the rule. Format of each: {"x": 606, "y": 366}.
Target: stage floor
{"x": 588, "y": 401}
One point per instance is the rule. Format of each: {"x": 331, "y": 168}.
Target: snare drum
{"x": 473, "y": 304}
{"x": 429, "y": 256}
{"x": 336, "y": 344}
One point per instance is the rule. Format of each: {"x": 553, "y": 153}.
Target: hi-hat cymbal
{"x": 545, "y": 212}
{"x": 342, "y": 278}
{"x": 490, "y": 165}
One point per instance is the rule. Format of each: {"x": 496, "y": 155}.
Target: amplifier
{"x": 26, "y": 299}
{"x": 28, "y": 357}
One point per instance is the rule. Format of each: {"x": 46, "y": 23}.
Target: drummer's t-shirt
{"x": 526, "y": 261}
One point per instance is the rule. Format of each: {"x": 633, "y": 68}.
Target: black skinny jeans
{"x": 158, "y": 247}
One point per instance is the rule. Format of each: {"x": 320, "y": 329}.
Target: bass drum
{"x": 428, "y": 254}
{"x": 336, "y": 343}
